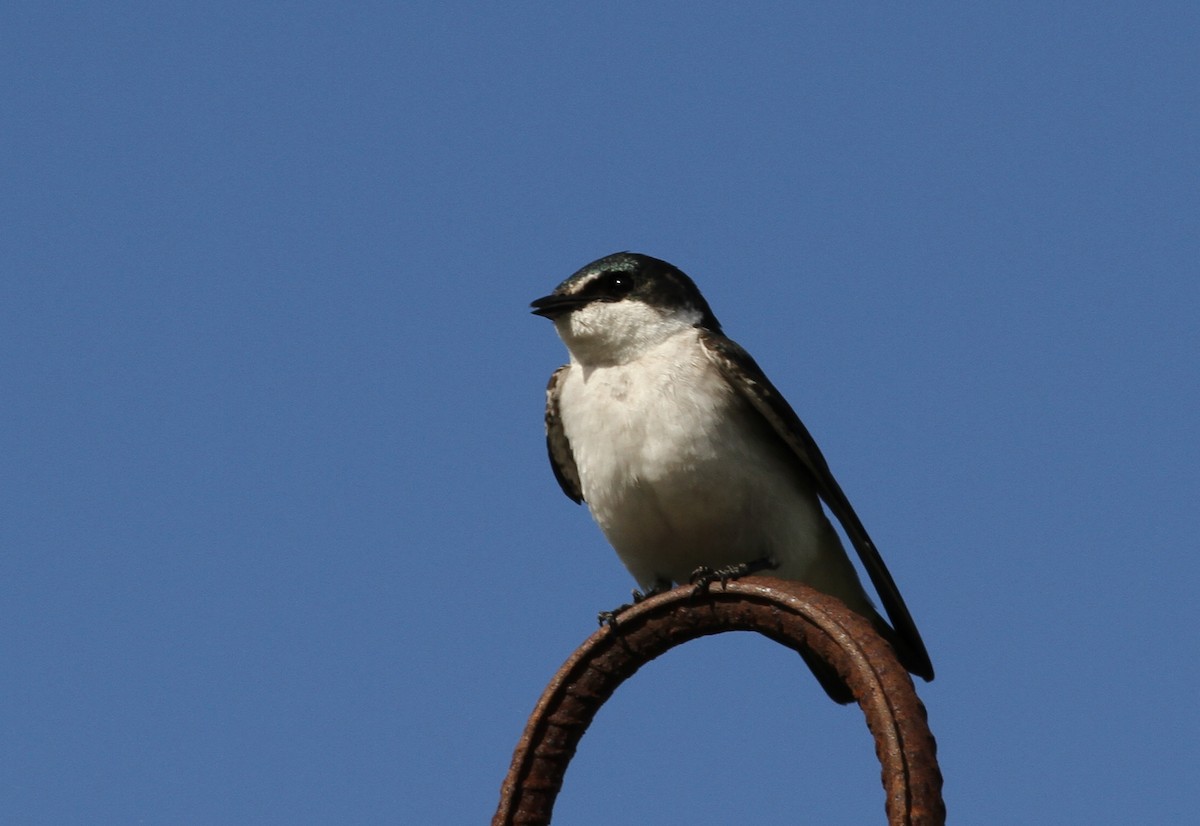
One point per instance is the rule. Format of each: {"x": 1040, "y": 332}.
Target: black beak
{"x": 555, "y": 306}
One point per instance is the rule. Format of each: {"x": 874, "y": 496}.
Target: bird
{"x": 689, "y": 458}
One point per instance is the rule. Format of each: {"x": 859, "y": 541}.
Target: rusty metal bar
{"x": 789, "y": 613}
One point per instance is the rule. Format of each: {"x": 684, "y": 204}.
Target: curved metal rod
{"x": 790, "y": 613}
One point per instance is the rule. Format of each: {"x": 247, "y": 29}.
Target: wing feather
{"x": 745, "y": 376}
{"x": 562, "y": 460}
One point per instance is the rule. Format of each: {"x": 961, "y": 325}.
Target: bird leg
{"x": 705, "y": 576}
{"x": 609, "y": 618}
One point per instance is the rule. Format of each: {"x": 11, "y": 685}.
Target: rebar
{"x": 807, "y": 621}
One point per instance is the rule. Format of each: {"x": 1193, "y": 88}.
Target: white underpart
{"x": 674, "y": 466}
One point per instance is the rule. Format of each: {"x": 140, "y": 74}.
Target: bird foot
{"x": 705, "y": 576}
{"x": 609, "y": 618}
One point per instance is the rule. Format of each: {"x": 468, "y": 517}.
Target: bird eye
{"x": 609, "y": 286}
{"x": 618, "y": 283}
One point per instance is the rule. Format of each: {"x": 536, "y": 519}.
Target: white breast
{"x": 678, "y": 471}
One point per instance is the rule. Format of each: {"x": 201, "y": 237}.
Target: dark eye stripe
{"x": 610, "y": 285}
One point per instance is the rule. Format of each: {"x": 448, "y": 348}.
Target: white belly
{"x": 678, "y": 473}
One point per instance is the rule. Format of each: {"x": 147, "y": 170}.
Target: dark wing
{"x": 745, "y": 376}
{"x": 562, "y": 461}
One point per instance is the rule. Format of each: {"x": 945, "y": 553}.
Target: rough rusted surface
{"x": 787, "y": 612}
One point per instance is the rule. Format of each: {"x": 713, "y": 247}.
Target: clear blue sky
{"x": 279, "y": 543}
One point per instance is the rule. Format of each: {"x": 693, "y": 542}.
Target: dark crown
{"x": 641, "y": 278}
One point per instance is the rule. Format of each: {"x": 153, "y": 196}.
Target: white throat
{"x": 607, "y": 333}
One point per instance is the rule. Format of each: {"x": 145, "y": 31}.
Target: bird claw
{"x": 609, "y": 618}
{"x": 705, "y": 576}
